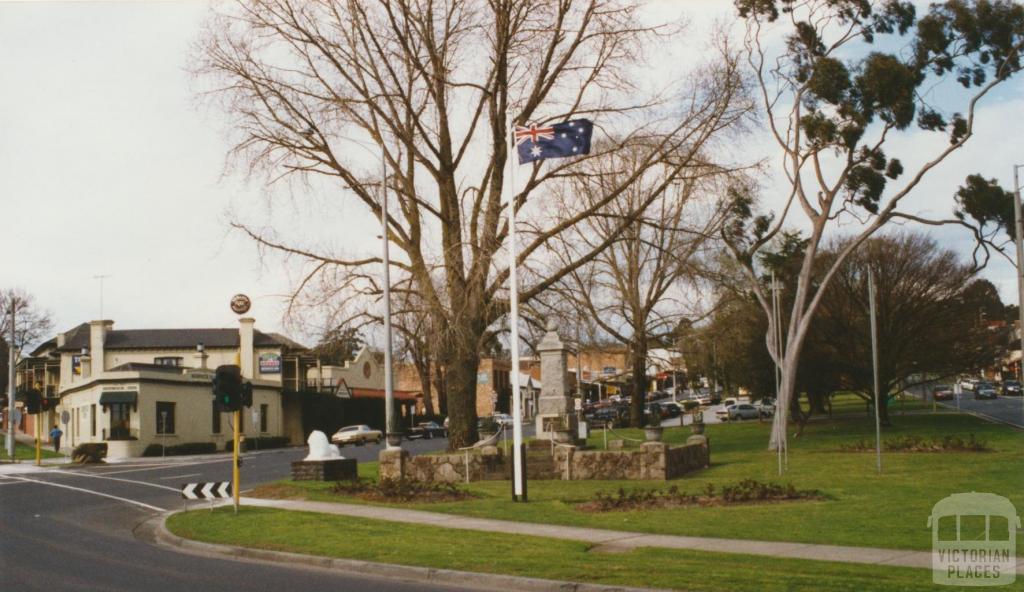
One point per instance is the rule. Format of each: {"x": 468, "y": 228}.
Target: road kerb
{"x": 447, "y": 577}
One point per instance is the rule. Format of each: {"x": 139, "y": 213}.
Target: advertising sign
{"x": 270, "y": 363}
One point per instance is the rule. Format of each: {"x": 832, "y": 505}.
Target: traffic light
{"x": 48, "y": 404}
{"x": 247, "y": 394}
{"x": 31, "y": 398}
{"x": 227, "y": 388}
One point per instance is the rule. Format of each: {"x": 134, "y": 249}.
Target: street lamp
{"x": 1019, "y": 227}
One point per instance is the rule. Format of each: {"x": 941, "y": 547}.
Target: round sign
{"x": 65, "y": 417}
{"x": 240, "y": 303}
{"x": 17, "y": 416}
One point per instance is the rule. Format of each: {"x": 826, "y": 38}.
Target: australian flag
{"x": 558, "y": 140}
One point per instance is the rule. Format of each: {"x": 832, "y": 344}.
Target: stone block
{"x": 335, "y": 469}
{"x": 392, "y": 464}
{"x": 616, "y": 444}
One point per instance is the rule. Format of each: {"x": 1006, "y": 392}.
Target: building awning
{"x": 130, "y": 397}
{"x": 365, "y": 393}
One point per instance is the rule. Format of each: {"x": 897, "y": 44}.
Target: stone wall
{"x": 654, "y": 461}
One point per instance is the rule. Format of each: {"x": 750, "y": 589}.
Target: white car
{"x": 357, "y": 434}
{"x": 740, "y": 411}
{"x": 503, "y": 419}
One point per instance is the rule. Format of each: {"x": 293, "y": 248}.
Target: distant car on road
{"x": 671, "y": 409}
{"x": 1011, "y": 388}
{"x": 739, "y": 411}
{"x": 968, "y": 384}
{"x": 942, "y": 392}
{"x": 357, "y": 434}
{"x": 426, "y": 430}
{"x": 502, "y": 419}
{"x": 985, "y": 390}
{"x": 767, "y": 408}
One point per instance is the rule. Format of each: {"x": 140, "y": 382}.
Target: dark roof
{"x": 136, "y": 366}
{"x": 78, "y": 338}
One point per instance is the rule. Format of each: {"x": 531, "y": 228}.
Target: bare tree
{"x": 31, "y": 325}
{"x": 831, "y": 103}
{"x": 435, "y": 87}
{"x": 639, "y": 289}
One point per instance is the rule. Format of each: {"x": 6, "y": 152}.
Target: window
{"x": 167, "y": 361}
{"x": 263, "y": 417}
{"x": 216, "y": 418}
{"x": 92, "y": 417}
{"x": 164, "y": 417}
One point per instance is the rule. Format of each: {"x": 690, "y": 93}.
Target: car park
{"x": 942, "y": 392}
{"x": 426, "y": 430}
{"x": 357, "y": 434}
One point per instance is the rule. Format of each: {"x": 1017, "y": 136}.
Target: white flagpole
{"x": 518, "y": 489}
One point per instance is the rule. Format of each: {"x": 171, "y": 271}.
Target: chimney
{"x": 85, "y": 364}
{"x": 245, "y": 351}
{"x": 97, "y": 339}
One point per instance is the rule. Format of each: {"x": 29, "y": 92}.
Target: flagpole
{"x": 518, "y": 478}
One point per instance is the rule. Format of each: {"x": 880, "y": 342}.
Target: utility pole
{"x": 1019, "y": 223}
{"x": 518, "y": 452}
{"x": 394, "y": 439}
{"x": 874, "y": 364}
{"x": 101, "y": 278}
{"x": 10, "y": 381}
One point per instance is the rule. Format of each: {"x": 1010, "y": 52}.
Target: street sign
{"x": 211, "y": 490}
{"x": 65, "y": 417}
{"x": 255, "y": 416}
{"x": 17, "y": 415}
{"x": 240, "y": 304}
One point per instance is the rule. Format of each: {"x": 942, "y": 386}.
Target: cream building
{"x": 133, "y": 388}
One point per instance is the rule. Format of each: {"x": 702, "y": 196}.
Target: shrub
{"x": 89, "y": 453}
{"x": 746, "y": 491}
{"x": 180, "y": 449}
{"x": 260, "y": 443}
{"x": 918, "y": 444}
{"x": 401, "y": 490}
{"x": 690, "y": 405}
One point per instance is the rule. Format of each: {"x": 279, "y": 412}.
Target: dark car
{"x": 670, "y": 409}
{"x": 984, "y": 390}
{"x": 1011, "y": 388}
{"x": 426, "y": 430}
{"x": 942, "y": 392}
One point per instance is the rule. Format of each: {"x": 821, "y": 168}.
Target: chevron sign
{"x": 206, "y": 490}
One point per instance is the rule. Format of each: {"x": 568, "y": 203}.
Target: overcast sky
{"x": 109, "y": 167}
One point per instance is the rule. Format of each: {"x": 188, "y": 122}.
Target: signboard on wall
{"x": 76, "y": 365}
{"x": 609, "y": 370}
{"x": 483, "y": 378}
{"x": 270, "y": 363}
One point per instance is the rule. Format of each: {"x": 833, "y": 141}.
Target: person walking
{"x": 55, "y": 435}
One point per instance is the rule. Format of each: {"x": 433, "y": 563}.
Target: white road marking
{"x": 85, "y": 474}
{"x": 179, "y": 476}
{"x": 91, "y": 492}
{"x": 164, "y": 467}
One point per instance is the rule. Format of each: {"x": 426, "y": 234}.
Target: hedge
{"x": 180, "y": 449}
{"x": 92, "y": 452}
{"x": 260, "y": 443}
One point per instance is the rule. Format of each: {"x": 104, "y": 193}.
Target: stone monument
{"x": 324, "y": 462}
{"x": 554, "y": 408}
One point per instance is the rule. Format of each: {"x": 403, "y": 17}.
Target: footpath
{"x": 615, "y": 540}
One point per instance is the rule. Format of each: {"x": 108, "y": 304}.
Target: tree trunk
{"x": 439, "y": 388}
{"x": 460, "y": 383}
{"x": 883, "y": 409}
{"x": 639, "y": 363}
{"x": 423, "y": 371}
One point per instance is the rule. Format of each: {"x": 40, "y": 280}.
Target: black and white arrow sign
{"x": 206, "y": 490}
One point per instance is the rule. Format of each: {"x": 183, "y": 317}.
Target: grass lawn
{"x": 862, "y": 507}
{"x": 26, "y": 452}
{"x": 427, "y": 546}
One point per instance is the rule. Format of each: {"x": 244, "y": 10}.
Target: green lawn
{"x": 427, "y": 546}
{"x": 863, "y": 508}
{"x": 26, "y": 452}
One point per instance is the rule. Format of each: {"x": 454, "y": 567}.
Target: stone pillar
{"x": 555, "y": 400}
{"x": 392, "y": 463}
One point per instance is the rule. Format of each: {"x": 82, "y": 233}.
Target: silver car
{"x": 358, "y": 434}
{"x": 739, "y": 411}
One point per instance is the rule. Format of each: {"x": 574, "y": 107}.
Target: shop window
{"x": 168, "y": 361}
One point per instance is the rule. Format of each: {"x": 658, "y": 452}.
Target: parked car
{"x": 767, "y": 408}
{"x": 985, "y": 390}
{"x": 671, "y": 409}
{"x": 426, "y": 430}
{"x": 1011, "y": 388}
{"x": 968, "y": 384}
{"x": 357, "y": 434}
{"x": 729, "y": 401}
{"x": 738, "y": 411}
{"x": 502, "y": 419}
{"x": 942, "y": 392}
{"x": 704, "y": 399}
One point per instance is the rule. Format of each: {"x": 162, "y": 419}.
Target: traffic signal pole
{"x": 39, "y": 439}
{"x": 234, "y": 463}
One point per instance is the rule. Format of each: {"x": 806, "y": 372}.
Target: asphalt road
{"x": 1004, "y": 409}
{"x": 73, "y": 529}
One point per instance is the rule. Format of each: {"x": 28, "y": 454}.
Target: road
{"x": 1003, "y": 409}
{"x": 74, "y": 529}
